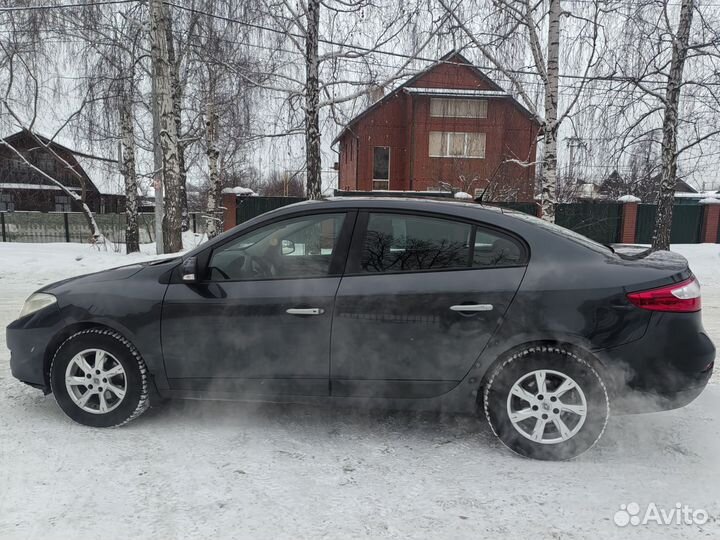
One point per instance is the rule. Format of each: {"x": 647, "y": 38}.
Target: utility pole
{"x": 573, "y": 142}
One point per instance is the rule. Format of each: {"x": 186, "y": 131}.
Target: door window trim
{"x": 338, "y": 258}
{"x": 353, "y": 268}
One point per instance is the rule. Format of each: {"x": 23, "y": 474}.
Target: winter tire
{"x": 546, "y": 403}
{"x": 99, "y": 379}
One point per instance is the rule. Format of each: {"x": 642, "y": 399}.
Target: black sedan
{"x": 401, "y": 303}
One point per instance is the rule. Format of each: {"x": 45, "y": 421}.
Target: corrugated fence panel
{"x": 40, "y": 227}
{"x": 250, "y": 207}
{"x": 599, "y": 221}
{"x": 686, "y": 223}
{"x": 34, "y": 227}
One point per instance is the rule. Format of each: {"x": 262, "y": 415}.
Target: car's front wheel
{"x": 99, "y": 378}
{"x": 546, "y": 403}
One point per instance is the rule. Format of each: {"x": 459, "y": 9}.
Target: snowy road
{"x": 203, "y": 470}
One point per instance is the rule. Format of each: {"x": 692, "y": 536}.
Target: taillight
{"x": 683, "y": 297}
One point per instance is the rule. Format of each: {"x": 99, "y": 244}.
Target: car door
{"x": 420, "y": 298}
{"x": 259, "y": 321}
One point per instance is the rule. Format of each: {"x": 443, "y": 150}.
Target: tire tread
{"x": 144, "y": 402}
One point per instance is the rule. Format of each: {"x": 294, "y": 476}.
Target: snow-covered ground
{"x": 230, "y": 470}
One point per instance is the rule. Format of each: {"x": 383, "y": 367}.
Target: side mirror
{"x": 288, "y": 247}
{"x": 189, "y": 270}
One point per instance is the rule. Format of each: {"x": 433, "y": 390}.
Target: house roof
{"x": 453, "y": 57}
{"x": 10, "y": 139}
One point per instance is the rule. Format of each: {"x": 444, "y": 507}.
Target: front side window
{"x": 405, "y": 243}
{"x": 295, "y": 248}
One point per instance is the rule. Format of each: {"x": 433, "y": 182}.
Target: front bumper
{"x": 28, "y": 339}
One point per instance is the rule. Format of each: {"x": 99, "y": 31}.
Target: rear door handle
{"x": 305, "y": 311}
{"x": 472, "y": 307}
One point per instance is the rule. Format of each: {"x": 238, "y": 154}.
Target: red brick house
{"x": 448, "y": 124}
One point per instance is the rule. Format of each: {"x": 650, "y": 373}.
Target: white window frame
{"x": 445, "y": 135}
{"x": 444, "y": 108}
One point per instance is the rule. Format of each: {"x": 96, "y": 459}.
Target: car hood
{"x": 112, "y": 274}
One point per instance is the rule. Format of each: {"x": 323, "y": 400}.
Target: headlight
{"x": 36, "y": 302}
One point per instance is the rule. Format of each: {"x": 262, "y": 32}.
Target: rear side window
{"x": 407, "y": 243}
{"x": 492, "y": 248}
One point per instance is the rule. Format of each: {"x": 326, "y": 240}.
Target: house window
{"x": 381, "y": 168}
{"x": 7, "y": 202}
{"x": 457, "y": 145}
{"x": 46, "y": 163}
{"x": 458, "y": 108}
{"x": 62, "y": 203}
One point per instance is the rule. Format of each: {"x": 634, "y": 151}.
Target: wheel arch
{"x": 66, "y": 332}
{"x": 574, "y": 346}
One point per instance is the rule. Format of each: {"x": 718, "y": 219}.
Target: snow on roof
{"x": 698, "y": 195}
{"x": 9, "y": 185}
{"x": 710, "y": 200}
{"x": 629, "y": 199}
{"x": 456, "y": 92}
{"x": 239, "y": 190}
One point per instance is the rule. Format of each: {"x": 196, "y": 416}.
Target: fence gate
{"x": 250, "y": 207}
{"x": 599, "y": 221}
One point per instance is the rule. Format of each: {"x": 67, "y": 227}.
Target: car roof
{"x": 440, "y": 204}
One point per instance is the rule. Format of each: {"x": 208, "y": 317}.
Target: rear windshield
{"x": 562, "y": 231}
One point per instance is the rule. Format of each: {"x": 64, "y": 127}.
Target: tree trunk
{"x": 312, "y": 102}
{"x": 548, "y": 164}
{"x": 177, "y": 93}
{"x": 212, "y": 219}
{"x": 172, "y": 223}
{"x": 132, "y": 235}
{"x": 666, "y": 197}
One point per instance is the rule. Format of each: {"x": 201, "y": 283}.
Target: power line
{"x": 65, "y": 6}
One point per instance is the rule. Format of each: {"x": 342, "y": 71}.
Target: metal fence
{"x": 686, "y": 223}
{"x": 40, "y": 227}
{"x": 249, "y": 207}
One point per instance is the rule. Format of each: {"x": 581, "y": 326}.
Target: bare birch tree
{"x": 172, "y": 224}
{"x": 12, "y": 58}
{"x": 517, "y": 35}
{"x": 326, "y": 81}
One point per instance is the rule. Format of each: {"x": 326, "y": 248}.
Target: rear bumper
{"x": 668, "y": 368}
{"x": 634, "y": 401}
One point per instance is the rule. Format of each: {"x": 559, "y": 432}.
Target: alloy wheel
{"x": 547, "y": 406}
{"x": 96, "y": 381}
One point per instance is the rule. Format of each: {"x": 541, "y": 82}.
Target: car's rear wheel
{"x": 99, "y": 378}
{"x": 546, "y": 403}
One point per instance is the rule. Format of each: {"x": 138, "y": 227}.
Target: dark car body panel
{"x": 381, "y": 336}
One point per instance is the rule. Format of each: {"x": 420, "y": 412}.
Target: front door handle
{"x": 472, "y": 307}
{"x": 305, "y": 311}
